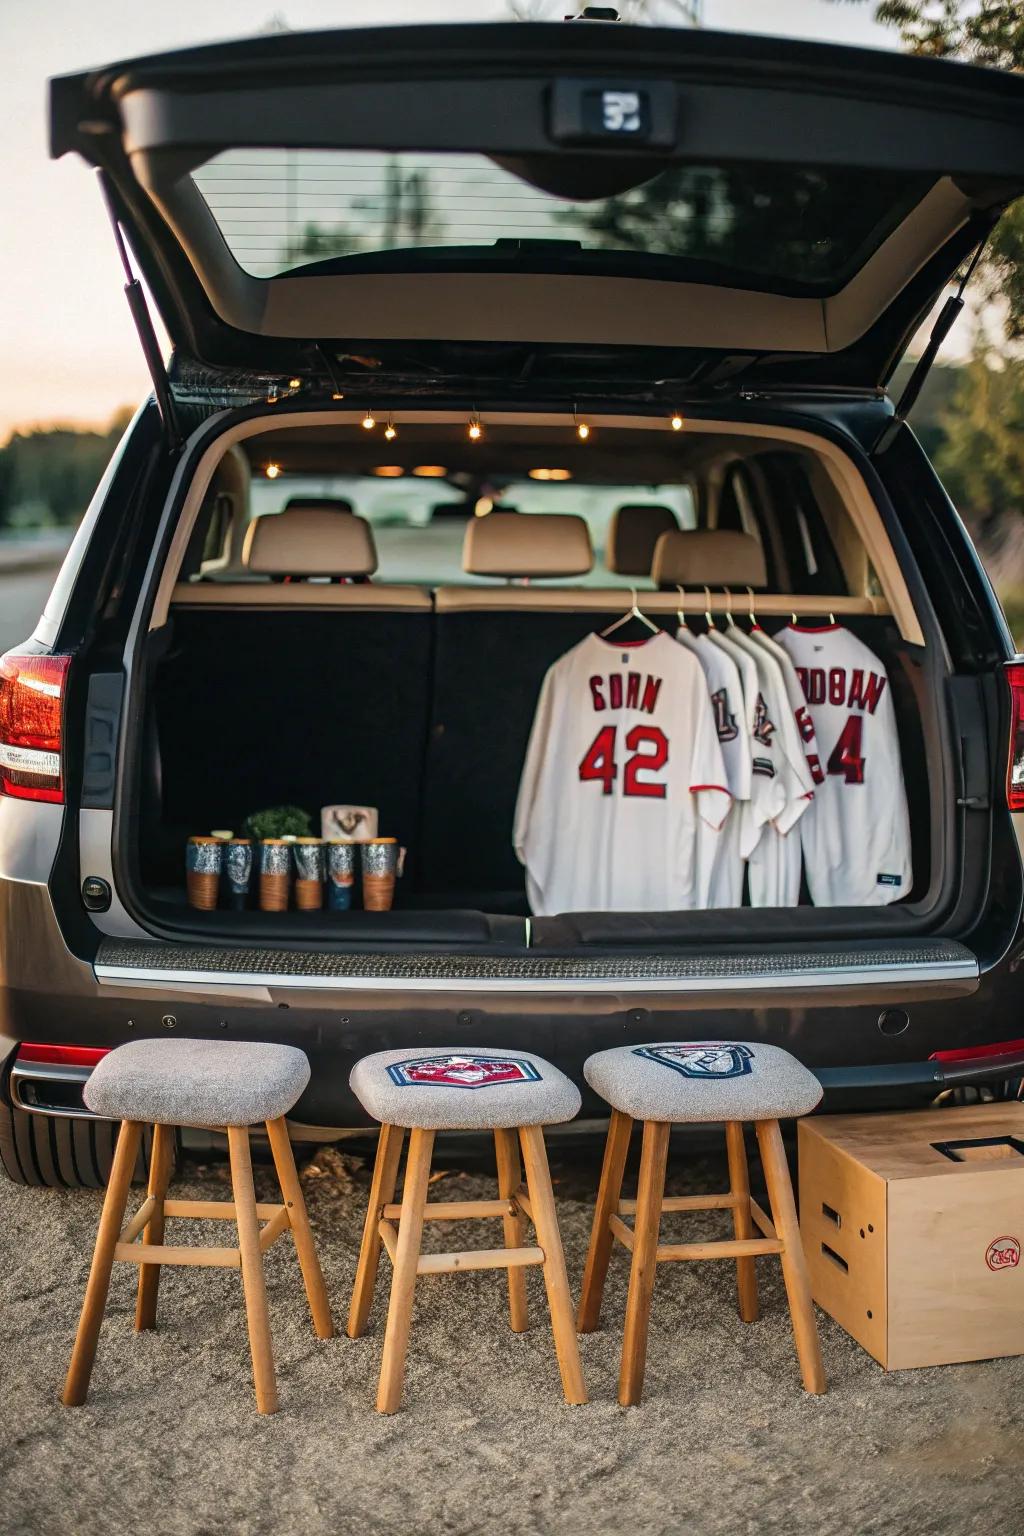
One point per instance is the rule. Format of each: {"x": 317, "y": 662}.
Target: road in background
{"x": 22, "y": 597}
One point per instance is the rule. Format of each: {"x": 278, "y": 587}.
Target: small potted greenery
{"x": 277, "y": 822}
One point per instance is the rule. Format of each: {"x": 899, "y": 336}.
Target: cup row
{"x": 301, "y": 867}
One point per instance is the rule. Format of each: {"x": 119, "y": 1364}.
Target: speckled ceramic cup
{"x": 380, "y": 869}
{"x": 275, "y": 874}
{"x": 310, "y": 857}
{"x": 238, "y": 872}
{"x": 204, "y": 857}
{"x": 341, "y": 874}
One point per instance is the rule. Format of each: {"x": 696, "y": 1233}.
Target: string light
{"x": 676, "y": 423}
{"x": 337, "y": 395}
{"x": 294, "y": 383}
{"x": 476, "y": 430}
{"x": 272, "y": 471}
{"x": 369, "y": 421}
{"x": 582, "y": 429}
{"x": 390, "y": 431}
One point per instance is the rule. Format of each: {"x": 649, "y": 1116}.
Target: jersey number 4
{"x": 847, "y": 758}
{"x": 650, "y": 752}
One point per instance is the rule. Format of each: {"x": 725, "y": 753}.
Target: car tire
{"x": 60, "y": 1152}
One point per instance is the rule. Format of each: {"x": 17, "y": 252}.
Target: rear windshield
{"x": 419, "y": 520}
{"x": 796, "y": 228}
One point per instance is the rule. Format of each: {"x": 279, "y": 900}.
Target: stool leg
{"x": 616, "y": 1149}
{"x": 382, "y": 1192}
{"x": 302, "y": 1235}
{"x": 794, "y": 1267}
{"x": 545, "y": 1221}
{"x": 646, "y": 1231}
{"x": 253, "y": 1282}
{"x": 76, "y": 1385}
{"x": 742, "y": 1221}
{"x": 403, "y": 1284}
{"x": 510, "y": 1176}
{"x": 160, "y": 1159}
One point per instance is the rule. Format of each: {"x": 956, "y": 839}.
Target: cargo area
{"x": 280, "y": 669}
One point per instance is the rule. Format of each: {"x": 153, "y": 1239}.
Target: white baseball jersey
{"x": 856, "y": 836}
{"x": 623, "y": 762}
{"x": 774, "y": 865}
{"x": 721, "y": 850}
{"x": 767, "y": 792}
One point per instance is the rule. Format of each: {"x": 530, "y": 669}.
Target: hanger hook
{"x": 750, "y": 594}
{"x": 680, "y": 613}
{"x": 707, "y": 608}
{"x": 728, "y": 605}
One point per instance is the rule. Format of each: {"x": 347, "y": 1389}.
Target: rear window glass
{"x": 794, "y": 228}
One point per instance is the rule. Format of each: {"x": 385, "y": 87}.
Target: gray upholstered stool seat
{"x": 202, "y": 1083}
{"x": 458, "y": 1089}
{"x": 703, "y": 1080}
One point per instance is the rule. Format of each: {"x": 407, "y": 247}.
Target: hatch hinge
{"x": 944, "y": 323}
{"x": 133, "y": 292}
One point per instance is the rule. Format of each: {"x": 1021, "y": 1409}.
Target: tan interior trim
{"x": 365, "y": 596}
{"x": 613, "y": 600}
{"x": 840, "y": 469}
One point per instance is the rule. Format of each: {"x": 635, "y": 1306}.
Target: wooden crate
{"x": 916, "y": 1250}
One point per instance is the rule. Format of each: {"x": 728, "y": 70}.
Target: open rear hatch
{"x": 482, "y": 200}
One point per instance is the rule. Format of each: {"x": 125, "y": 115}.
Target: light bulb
{"x": 273, "y": 470}
{"x": 337, "y": 395}
{"x": 582, "y": 431}
{"x": 677, "y": 423}
{"x": 369, "y": 422}
{"x": 476, "y": 431}
{"x": 390, "y": 432}
{"x": 294, "y": 383}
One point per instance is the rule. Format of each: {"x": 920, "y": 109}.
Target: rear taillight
{"x": 31, "y": 722}
{"x": 63, "y": 1055}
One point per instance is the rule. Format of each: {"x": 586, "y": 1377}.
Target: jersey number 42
{"x": 649, "y": 749}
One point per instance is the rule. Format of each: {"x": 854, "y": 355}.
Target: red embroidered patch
{"x": 462, "y": 1071}
{"x": 1003, "y": 1253}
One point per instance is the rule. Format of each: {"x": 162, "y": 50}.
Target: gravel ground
{"x": 725, "y": 1440}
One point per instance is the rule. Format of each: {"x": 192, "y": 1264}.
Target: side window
{"x": 810, "y": 553}
{"x": 739, "y": 508}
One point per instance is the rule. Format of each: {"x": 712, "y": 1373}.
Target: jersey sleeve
{"x": 708, "y": 783}
{"x": 536, "y": 752}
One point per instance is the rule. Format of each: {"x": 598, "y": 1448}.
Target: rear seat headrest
{"x": 310, "y": 541}
{"x": 323, "y": 503}
{"x": 708, "y": 557}
{"x": 632, "y": 534}
{"x": 527, "y": 544}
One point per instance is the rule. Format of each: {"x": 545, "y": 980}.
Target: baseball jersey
{"x": 719, "y": 854}
{"x": 623, "y": 763}
{"x": 767, "y": 793}
{"x": 774, "y": 865}
{"x": 856, "y": 835}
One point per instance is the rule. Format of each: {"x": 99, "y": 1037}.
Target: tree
{"x": 984, "y": 32}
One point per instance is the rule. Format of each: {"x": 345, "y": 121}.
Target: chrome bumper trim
{"x": 24, "y": 1072}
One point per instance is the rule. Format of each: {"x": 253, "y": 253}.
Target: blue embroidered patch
{"x": 708, "y": 1059}
{"x": 462, "y": 1072}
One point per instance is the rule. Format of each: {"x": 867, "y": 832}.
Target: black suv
{"x": 657, "y": 280}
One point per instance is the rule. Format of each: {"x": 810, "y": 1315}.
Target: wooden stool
{"x": 666, "y": 1084}
{"x": 207, "y": 1084}
{"x": 509, "y": 1093}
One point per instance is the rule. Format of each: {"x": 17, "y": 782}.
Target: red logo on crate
{"x": 1003, "y": 1253}
{"x": 462, "y": 1071}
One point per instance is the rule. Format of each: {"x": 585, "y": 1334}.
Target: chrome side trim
{"x": 23, "y": 1072}
{"x": 810, "y": 979}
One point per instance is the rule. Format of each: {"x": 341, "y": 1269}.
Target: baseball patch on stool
{"x": 707, "y": 1059}
{"x": 462, "y": 1072}
{"x": 1003, "y": 1253}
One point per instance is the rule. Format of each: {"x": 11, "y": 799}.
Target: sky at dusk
{"x": 68, "y": 351}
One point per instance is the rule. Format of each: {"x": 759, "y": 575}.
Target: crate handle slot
{"x": 831, "y": 1214}
{"x": 836, "y": 1258}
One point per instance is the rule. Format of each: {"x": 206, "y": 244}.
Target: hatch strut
{"x": 944, "y": 323}
{"x": 133, "y": 292}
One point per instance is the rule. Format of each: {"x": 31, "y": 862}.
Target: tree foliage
{"x": 48, "y": 475}
{"x": 981, "y": 457}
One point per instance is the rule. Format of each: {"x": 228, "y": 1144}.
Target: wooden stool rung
{"x": 129, "y": 1233}
{"x": 456, "y": 1210}
{"x": 279, "y": 1223}
{"x": 158, "y": 1253}
{"x": 723, "y": 1248}
{"x": 725, "y": 1202}
{"x": 213, "y": 1210}
{"x": 478, "y": 1258}
{"x": 762, "y": 1220}
{"x": 619, "y": 1229}
{"x": 521, "y": 1198}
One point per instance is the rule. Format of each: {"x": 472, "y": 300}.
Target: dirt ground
{"x": 725, "y": 1440}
